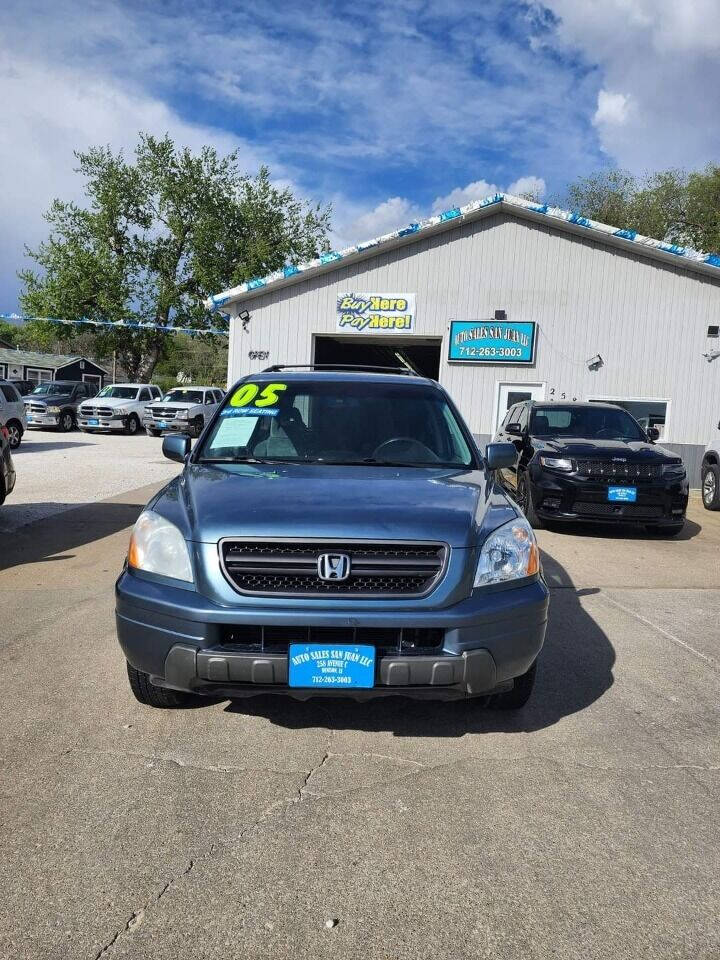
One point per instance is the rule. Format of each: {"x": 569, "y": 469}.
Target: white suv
{"x": 710, "y": 474}
{"x": 12, "y": 413}
{"x": 119, "y": 406}
{"x": 183, "y": 410}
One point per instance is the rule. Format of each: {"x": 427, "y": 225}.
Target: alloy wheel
{"x": 14, "y": 436}
{"x": 708, "y": 490}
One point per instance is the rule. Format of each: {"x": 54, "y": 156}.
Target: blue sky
{"x": 389, "y": 110}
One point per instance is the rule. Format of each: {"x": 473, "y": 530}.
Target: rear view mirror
{"x": 176, "y": 447}
{"x": 499, "y": 455}
{"x": 653, "y": 433}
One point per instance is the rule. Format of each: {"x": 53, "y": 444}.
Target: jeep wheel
{"x": 524, "y": 501}
{"x": 711, "y": 486}
{"x": 15, "y": 433}
{"x": 132, "y": 426}
{"x": 152, "y": 696}
{"x": 519, "y": 695}
{"x": 66, "y": 422}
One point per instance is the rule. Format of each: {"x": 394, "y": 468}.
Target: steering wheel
{"x": 404, "y": 448}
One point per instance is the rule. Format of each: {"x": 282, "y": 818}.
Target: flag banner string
{"x": 122, "y": 325}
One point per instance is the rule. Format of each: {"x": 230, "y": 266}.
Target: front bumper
{"x": 177, "y": 637}
{"x": 659, "y": 501}
{"x": 36, "y": 421}
{"x": 102, "y": 423}
{"x": 180, "y": 426}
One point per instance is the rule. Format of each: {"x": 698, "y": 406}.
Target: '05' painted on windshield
{"x": 249, "y": 394}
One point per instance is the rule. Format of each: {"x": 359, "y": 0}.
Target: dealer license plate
{"x": 622, "y": 494}
{"x": 162, "y": 424}
{"x": 321, "y": 665}
{"x": 93, "y": 422}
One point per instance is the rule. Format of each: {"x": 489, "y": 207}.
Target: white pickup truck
{"x": 182, "y": 410}
{"x": 119, "y": 406}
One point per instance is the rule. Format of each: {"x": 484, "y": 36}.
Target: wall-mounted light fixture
{"x": 244, "y": 318}
{"x": 594, "y": 363}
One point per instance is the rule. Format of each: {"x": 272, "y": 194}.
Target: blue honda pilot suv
{"x": 333, "y": 533}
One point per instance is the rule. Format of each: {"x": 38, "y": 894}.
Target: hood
{"x": 50, "y": 401}
{"x": 305, "y": 500}
{"x": 579, "y": 449}
{"x": 111, "y": 402}
{"x": 173, "y": 404}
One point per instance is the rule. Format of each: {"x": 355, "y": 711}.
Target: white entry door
{"x": 508, "y": 394}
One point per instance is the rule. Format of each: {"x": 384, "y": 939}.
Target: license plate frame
{"x": 327, "y": 666}
{"x": 619, "y": 494}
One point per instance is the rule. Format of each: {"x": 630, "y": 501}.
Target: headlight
{"x": 182, "y": 414}
{"x": 148, "y": 411}
{"x": 53, "y": 410}
{"x": 120, "y": 411}
{"x": 157, "y": 546}
{"x": 556, "y": 463}
{"x": 509, "y": 552}
{"x": 674, "y": 469}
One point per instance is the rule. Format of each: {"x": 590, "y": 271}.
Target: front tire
{"x": 197, "y": 427}
{"x": 711, "y": 486}
{"x": 66, "y": 422}
{"x": 525, "y": 502}
{"x": 15, "y": 433}
{"x": 132, "y": 426}
{"x": 516, "y": 698}
{"x": 152, "y": 696}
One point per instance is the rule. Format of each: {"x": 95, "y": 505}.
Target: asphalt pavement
{"x": 585, "y": 826}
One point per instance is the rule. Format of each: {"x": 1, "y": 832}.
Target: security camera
{"x": 244, "y": 318}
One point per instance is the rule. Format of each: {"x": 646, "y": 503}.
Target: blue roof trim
{"x": 458, "y": 213}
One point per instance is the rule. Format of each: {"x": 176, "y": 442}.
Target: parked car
{"x": 54, "y": 403}
{"x": 591, "y": 461}
{"x": 710, "y": 473}
{"x": 7, "y": 468}
{"x": 333, "y": 533}
{"x": 12, "y": 413}
{"x": 23, "y": 387}
{"x": 182, "y": 410}
{"x": 120, "y": 406}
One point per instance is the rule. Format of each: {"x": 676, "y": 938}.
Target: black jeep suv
{"x": 591, "y": 461}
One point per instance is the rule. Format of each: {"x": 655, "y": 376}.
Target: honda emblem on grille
{"x": 333, "y": 566}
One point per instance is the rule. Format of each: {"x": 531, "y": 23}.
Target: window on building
{"x": 3, "y": 370}
{"x": 38, "y": 375}
{"x": 648, "y": 413}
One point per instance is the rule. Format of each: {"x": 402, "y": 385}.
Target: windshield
{"x": 183, "y": 395}
{"x": 338, "y": 422}
{"x": 122, "y": 393}
{"x": 592, "y": 423}
{"x": 50, "y": 388}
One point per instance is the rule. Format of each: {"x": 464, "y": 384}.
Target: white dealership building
{"x": 500, "y": 300}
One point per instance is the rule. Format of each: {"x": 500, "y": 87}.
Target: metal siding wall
{"x": 646, "y": 320}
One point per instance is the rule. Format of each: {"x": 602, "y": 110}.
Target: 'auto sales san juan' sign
{"x": 375, "y": 313}
{"x": 492, "y": 341}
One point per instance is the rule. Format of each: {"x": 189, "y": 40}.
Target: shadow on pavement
{"x": 28, "y": 448}
{"x": 54, "y": 537}
{"x": 574, "y": 670}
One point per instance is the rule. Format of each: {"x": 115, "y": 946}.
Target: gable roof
{"x": 52, "y": 361}
{"x": 707, "y": 263}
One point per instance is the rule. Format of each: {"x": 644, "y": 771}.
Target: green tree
{"x": 158, "y": 236}
{"x": 670, "y": 205}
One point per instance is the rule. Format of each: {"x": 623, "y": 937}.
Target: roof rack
{"x": 277, "y": 367}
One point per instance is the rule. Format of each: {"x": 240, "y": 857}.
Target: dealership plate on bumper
{"x": 94, "y": 422}
{"x": 622, "y": 494}
{"x": 321, "y": 665}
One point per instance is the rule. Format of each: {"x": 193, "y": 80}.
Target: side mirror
{"x": 176, "y": 446}
{"x": 653, "y": 433}
{"x": 514, "y": 428}
{"x": 499, "y": 455}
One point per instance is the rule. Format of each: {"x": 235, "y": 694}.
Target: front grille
{"x": 164, "y": 413}
{"x": 35, "y": 408}
{"x": 631, "y": 510}
{"x": 97, "y": 412}
{"x": 387, "y": 641}
{"x": 613, "y": 470}
{"x": 290, "y": 568}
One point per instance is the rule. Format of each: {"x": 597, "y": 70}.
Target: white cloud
{"x": 658, "y": 61}
{"x": 612, "y": 108}
{"x": 354, "y": 227}
{"x": 528, "y": 187}
{"x": 477, "y": 190}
